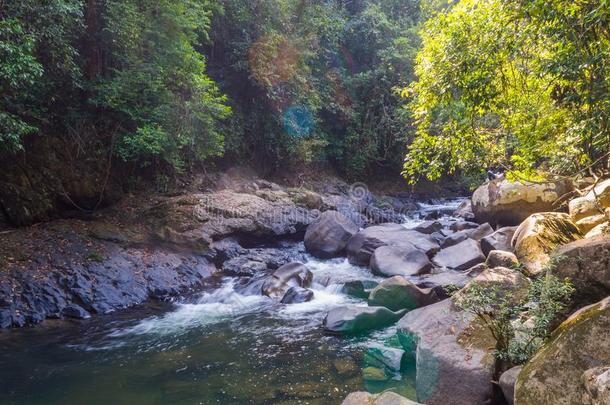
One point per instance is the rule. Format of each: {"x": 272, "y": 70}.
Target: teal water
{"x": 219, "y": 348}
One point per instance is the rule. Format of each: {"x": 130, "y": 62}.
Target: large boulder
{"x": 462, "y": 256}
{"x": 455, "y": 363}
{"x": 499, "y": 240}
{"x": 327, "y": 237}
{"x": 509, "y": 203}
{"x": 405, "y": 260}
{"x": 539, "y": 235}
{"x": 354, "y": 320}
{"x": 386, "y": 398}
{"x": 586, "y": 263}
{"x": 361, "y": 246}
{"x": 398, "y": 293}
{"x": 287, "y": 276}
{"x": 552, "y": 376}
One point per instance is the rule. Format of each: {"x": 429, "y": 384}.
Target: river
{"x": 217, "y": 347}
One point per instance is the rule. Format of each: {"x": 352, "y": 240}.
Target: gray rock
{"x": 479, "y": 232}
{"x": 429, "y": 227}
{"x": 499, "y": 240}
{"x": 454, "y": 239}
{"x": 399, "y": 261}
{"x": 462, "y": 256}
{"x": 297, "y": 295}
{"x": 355, "y": 320}
{"x": 587, "y": 264}
{"x": 361, "y": 246}
{"x": 463, "y": 225}
{"x": 327, "y": 237}
{"x": 398, "y": 293}
{"x": 508, "y": 379}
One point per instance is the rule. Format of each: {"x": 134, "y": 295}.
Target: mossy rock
{"x": 553, "y": 375}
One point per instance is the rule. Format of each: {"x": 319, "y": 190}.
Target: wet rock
{"x": 508, "y": 379}
{"x": 499, "y": 240}
{"x": 462, "y": 256}
{"x": 297, "y": 295}
{"x": 260, "y": 260}
{"x": 539, "y": 235}
{"x": 499, "y": 258}
{"x": 75, "y": 311}
{"x": 597, "y": 386}
{"x": 399, "y": 261}
{"x": 386, "y": 398}
{"x": 361, "y": 246}
{"x": 327, "y": 237}
{"x": 287, "y": 276}
{"x": 346, "y": 366}
{"x": 385, "y": 358}
{"x": 359, "y": 288}
{"x": 586, "y": 263}
{"x": 579, "y": 344}
{"x": 429, "y": 227}
{"x": 398, "y": 293}
{"x": 355, "y": 320}
{"x": 509, "y": 203}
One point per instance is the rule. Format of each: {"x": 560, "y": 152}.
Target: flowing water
{"x": 220, "y": 347}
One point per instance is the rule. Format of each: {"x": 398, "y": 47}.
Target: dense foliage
{"x": 123, "y": 73}
{"x": 315, "y": 81}
{"x": 522, "y": 85}
{"x": 308, "y": 81}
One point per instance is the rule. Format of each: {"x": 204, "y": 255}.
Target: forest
{"x": 305, "y": 201}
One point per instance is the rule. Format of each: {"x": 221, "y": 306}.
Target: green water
{"x": 222, "y": 348}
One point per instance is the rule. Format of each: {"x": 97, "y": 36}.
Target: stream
{"x": 218, "y": 347}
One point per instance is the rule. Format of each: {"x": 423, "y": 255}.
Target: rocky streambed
{"x": 264, "y": 294}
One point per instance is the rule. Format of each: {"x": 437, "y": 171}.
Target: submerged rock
{"x": 327, "y": 237}
{"x": 509, "y": 203}
{"x": 539, "y": 235}
{"x": 578, "y": 344}
{"x": 297, "y": 295}
{"x": 355, "y": 320}
{"x": 405, "y": 260}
